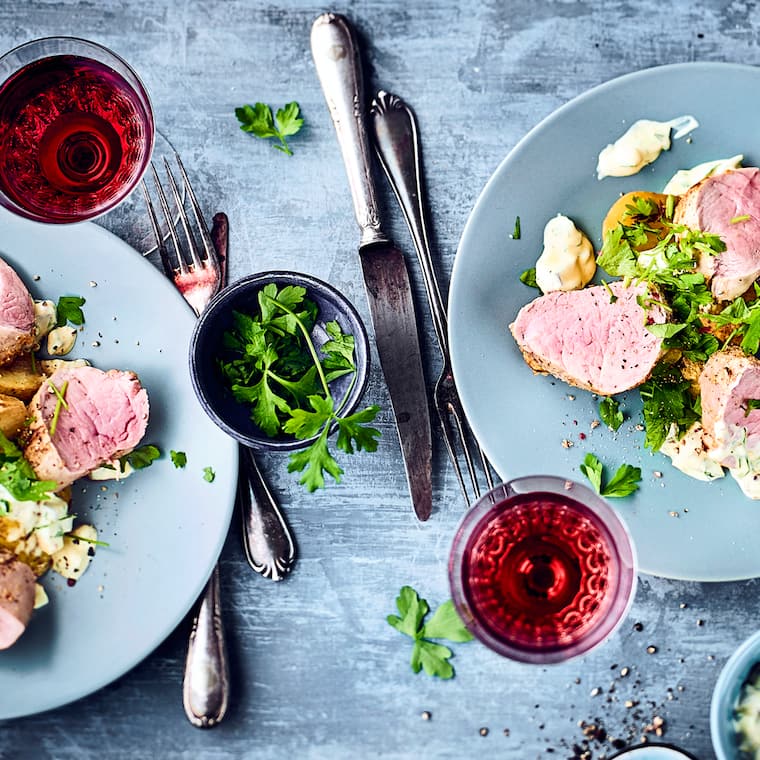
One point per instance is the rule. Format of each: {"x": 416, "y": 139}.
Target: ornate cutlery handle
{"x": 336, "y": 56}
{"x": 205, "y": 691}
{"x": 269, "y": 547}
{"x": 398, "y": 148}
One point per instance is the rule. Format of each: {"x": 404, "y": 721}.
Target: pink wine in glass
{"x": 542, "y": 569}
{"x": 75, "y": 138}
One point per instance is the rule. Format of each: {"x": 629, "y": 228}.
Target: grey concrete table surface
{"x": 317, "y": 672}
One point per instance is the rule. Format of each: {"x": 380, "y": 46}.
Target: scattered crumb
{"x": 566, "y": 444}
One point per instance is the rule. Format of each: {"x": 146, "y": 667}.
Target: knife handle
{"x": 336, "y": 57}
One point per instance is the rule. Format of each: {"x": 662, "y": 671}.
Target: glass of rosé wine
{"x": 76, "y": 130}
{"x": 542, "y": 569}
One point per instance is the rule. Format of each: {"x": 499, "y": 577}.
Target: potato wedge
{"x": 21, "y": 378}
{"x": 12, "y": 415}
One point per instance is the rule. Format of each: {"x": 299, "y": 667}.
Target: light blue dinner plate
{"x": 165, "y": 526}
{"x": 682, "y": 528}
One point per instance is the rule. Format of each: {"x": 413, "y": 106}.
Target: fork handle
{"x": 398, "y": 148}
{"x": 268, "y": 543}
{"x": 206, "y": 686}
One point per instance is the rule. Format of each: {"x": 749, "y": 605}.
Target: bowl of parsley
{"x": 279, "y": 361}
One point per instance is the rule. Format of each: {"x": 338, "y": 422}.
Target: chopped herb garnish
{"x": 59, "y": 404}
{"x": 258, "y": 120}
{"x": 516, "y": 231}
{"x": 74, "y": 537}
{"x": 750, "y": 404}
{"x": 444, "y": 624}
{"x": 528, "y": 277}
{"x": 741, "y": 218}
{"x": 69, "y": 309}
{"x": 141, "y": 457}
{"x": 18, "y": 477}
{"x": 667, "y": 401}
{"x": 209, "y": 474}
{"x": 179, "y": 458}
{"x": 670, "y": 207}
{"x": 609, "y": 411}
{"x": 623, "y": 483}
{"x": 607, "y": 287}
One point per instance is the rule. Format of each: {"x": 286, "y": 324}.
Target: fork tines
{"x": 194, "y": 254}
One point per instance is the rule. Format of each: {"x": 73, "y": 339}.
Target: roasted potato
{"x": 12, "y": 415}
{"x": 617, "y": 214}
{"x": 21, "y": 378}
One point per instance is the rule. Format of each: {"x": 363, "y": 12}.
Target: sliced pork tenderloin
{"x": 16, "y": 598}
{"x": 727, "y": 205}
{"x": 104, "y": 417}
{"x": 17, "y": 332}
{"x": 729, "y": 380}
{"x": 591, "y": 339}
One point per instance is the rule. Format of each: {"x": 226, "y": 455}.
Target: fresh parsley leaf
{"x": 353, "y": 431}
{"x": 592, "y": 469}
{"x": 528, "y": 277}
{"x": 516, "y": 231}
{"x": 142, "y": 457}
{"x": 313, "y": 461}
{"x": 179, "y": 458}
{"x": 18, "y": 477}
{"x": 209, "y": 474}
{"x": 69, "y": 309}
{"x": 258, "y": 120}
{"x": 666, "y": 329}
{"x": 609, "y": 411}
{"x": 750, "y": 404}
{"x": 623, "y": 483}
{"x": 444, "y": 624}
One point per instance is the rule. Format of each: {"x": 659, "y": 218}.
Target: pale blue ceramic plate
{"x": 682, "y": 528}
{"x": 165, "y": 526}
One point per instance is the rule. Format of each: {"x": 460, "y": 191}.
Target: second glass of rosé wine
{"x": 542, "y": 569}
{"x": 76, "y": 130}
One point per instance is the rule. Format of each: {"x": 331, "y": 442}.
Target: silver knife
{"x": 386, "y": 279}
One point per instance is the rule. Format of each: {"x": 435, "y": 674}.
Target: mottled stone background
{"x": 317, "y": 671}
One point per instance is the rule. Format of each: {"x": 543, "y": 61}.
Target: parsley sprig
{"x": 258, "y": 120}
{"x": 444, "y": 624}
{"x": 272, "y": 364}
{"x": 623, "y": 483}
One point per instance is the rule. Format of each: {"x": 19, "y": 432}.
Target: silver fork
{"x": 269, "y": 547}
{"x": 398, "y": 148}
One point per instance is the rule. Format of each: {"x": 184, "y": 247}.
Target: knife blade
{"x": 386, "y": 278}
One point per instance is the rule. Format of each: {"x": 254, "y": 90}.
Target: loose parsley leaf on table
{"x": 270, "y": 363}
{"x": 623, "y": 483}
{"x": 209, "y": 474}
{"x": 179, "y": 458}
{"x": 444, "y": 624}
{"x": 258, "y": 120}
{"x": 609, "y": 411}
{"x": 69, "y": 309}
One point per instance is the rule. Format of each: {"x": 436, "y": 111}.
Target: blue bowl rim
{"x": 294, "y": 278}
{"x": 730, "y": 681}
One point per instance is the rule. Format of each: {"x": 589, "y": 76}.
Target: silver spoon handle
{"x": 268, "y": 544}
{"x": 398, "y": 148}
{"x": 205, "y": 691}
{"x": 336, "y": 57}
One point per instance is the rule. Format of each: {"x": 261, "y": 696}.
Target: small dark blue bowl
{"x": 206, "y": 346}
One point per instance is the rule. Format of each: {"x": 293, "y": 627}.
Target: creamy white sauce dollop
{"x": 641, "y": 145}
{"x": 567, "y": 261}
{"x": 682, "y": 180}
{"x": 690, "y": 454}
